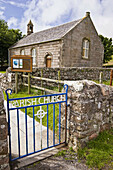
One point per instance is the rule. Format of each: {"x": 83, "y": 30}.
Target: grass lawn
{"x": 104, "y": 82}
{"x": 110, "y": 63}
{"x": 2, "y": 71}
{"x": 99, "y": 152}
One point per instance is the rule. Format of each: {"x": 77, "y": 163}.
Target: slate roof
{"x": 51, "y": 34}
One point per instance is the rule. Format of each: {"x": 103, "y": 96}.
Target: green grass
{"x": 2, "y": 71}
{"x": 110, "y": 63}
{"x": 104, "y": 82}
{"x": 24, "y": 93}
{"x": 99, "y": 152}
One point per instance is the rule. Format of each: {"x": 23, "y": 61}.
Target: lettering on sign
{"x": 36, "y": 101}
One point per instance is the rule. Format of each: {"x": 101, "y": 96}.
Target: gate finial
{"x": 66, "y": 87}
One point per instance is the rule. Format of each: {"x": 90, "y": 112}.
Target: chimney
{"x": 87, "y": 14}
{"x": 29, "y": 28}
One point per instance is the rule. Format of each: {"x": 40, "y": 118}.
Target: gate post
{"x": 4, "y": 157}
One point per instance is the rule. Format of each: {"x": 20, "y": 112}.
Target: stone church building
{"x": 73, "y": 44}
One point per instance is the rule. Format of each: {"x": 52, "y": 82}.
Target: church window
{"x": 22, "y": 52}
{"x": 85, "y": 50}
{"x": 33, "y": 53}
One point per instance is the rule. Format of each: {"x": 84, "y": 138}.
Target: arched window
{"x": 48, "y": 61}
{"x": 22, "y": 52}
{"x": 85, "y": 50}
{"x": 33, "y": 54}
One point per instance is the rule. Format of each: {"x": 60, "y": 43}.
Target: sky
{"x": 48, "y": 13}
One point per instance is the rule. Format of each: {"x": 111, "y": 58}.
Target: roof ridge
{"x": 50, "y": 34}
{"x": 56, "y": 26}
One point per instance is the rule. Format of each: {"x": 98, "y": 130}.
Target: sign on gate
{"x": 46, "y": 107}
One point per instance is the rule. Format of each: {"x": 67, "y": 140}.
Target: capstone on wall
{"x": 90, "y": 111}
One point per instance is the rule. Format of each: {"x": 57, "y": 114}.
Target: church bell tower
{"x": 29, "y": 28}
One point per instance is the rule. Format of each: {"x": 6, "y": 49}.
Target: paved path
{"x": 22, "y": 131}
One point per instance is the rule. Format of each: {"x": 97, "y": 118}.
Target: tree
{"x": 108, "y": 48}
{"x": 7, "y": 38}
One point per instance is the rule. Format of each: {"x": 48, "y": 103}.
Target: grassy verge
{"x": 104, "y": 82}
{"x": 2, "y": 71}
{"x": 99, "y": 152}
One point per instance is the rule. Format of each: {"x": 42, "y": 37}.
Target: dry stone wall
{"x": 90, "y": 111}
{"x": 74, "y": 73}
{"x": 8, "y": 80}
{"x": 4, "y": 156}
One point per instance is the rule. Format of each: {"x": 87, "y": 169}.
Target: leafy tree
{"x": 108, "y": 48}
{"x": 7, "y": 38}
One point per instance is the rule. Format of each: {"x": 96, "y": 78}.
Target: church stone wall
{"x": 42, "y": 50}
{"x": 72, "y": 46}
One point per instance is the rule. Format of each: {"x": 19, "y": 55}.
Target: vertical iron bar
{"x": 66, "y": 114}
{"x": 53, "y": 124}
{"x": 34, "y": 129}
{"x": 41, "y": 131}
{"x": 9, "y": 131}
{"x": 26, "y": 131}
{"x": 18, "y": 132}
{"x": 65, "y": 123}
{"x": 59, "y": 122}
{"x": 47, "y": 128}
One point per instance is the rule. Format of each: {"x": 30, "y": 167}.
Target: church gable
{"x": 74, "y": 44}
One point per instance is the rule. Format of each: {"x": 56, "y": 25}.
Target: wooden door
{"x": 48, "y": 61}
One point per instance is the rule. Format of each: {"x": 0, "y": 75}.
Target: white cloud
{"x": 2, "y": 14}
{"x": 47, "y": 13}
{"x": 13, "y": 22}
{"x": 44, "y": 13}
{"x": 2, "y": 8}
{"x": 17, "y": 4}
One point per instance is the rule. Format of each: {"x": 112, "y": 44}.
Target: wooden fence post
{"x": 111, "y": 75}
{"x": 16, "y": 82}
{"x": 59, "y": 80}
{"x": 23, "y": 78}
{"x": 42, "y": 80}
{"x": 101, "y": 78}
{"x": 28, "y": 83}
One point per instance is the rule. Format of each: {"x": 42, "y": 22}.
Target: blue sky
{"x": 47, "y": 13}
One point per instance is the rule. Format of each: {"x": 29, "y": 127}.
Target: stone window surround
{"x": 84, "y": 57}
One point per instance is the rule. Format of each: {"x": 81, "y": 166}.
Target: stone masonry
{"x": 7, "y": 80}
{"x": 4, "y": 156}
{"x": 90, "y": 111}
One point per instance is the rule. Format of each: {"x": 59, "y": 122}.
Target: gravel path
{"x": 68, "y": 161}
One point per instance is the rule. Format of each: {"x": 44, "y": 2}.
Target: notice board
{"x": 21, "y": 63}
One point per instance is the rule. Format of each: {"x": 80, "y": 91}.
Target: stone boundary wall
{"x": 4, "y": 156}
{"x": 7, "y": 80}
{"x": 90, "y": 111}
{"x": 75, "y": 73}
